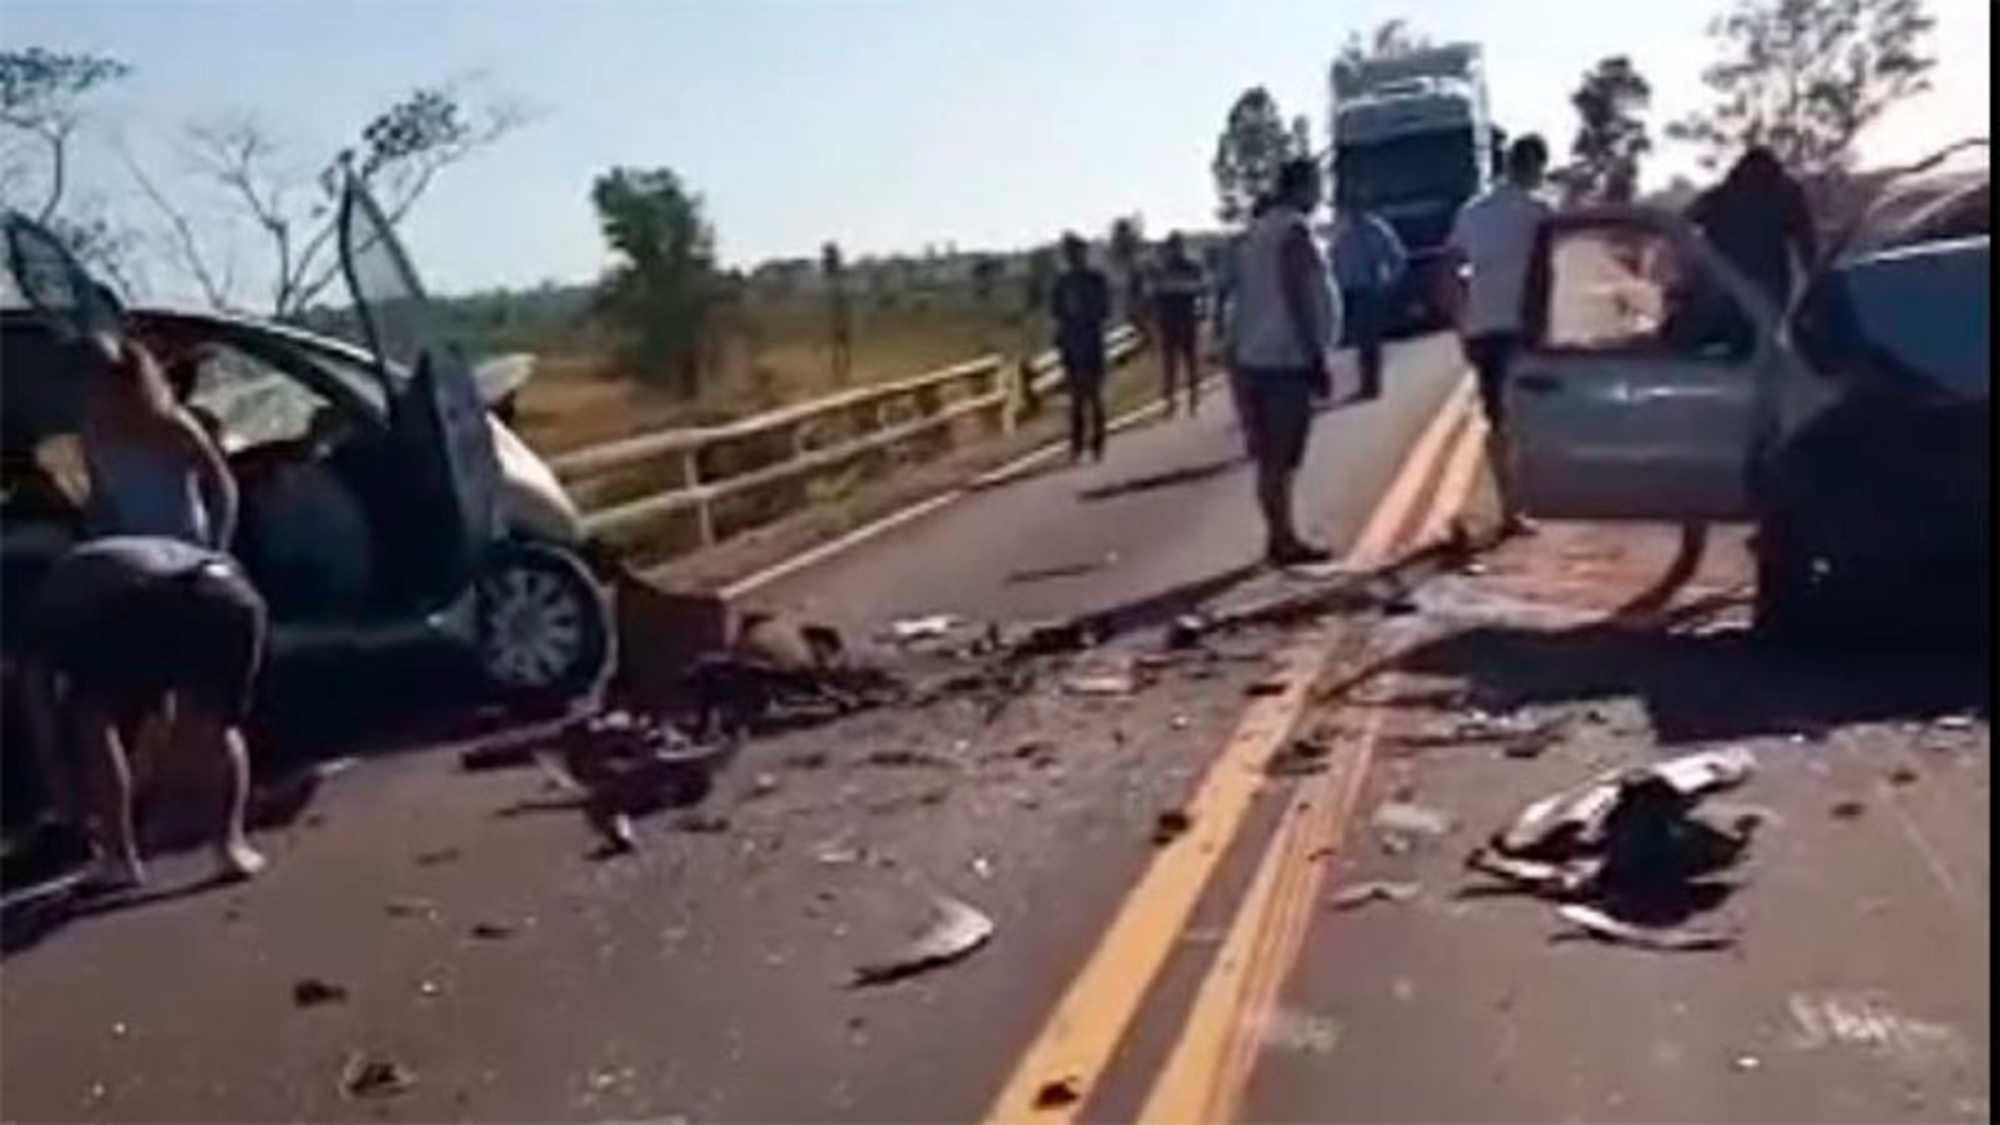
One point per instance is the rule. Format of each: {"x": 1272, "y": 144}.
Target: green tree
{"x": 661, "y": 293}
{"x": 1611, "y": 131}
{"x": 1806, "y": 77}
{"x": 1254, "y": 142}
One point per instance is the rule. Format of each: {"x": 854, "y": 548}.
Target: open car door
{"x": 1644, "y": 376}
{"x": 445, "y": 502}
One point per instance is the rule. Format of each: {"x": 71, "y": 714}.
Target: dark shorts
{"x": 1178, "y": 334}
{"x": 1277, "y": 414}
{"x": 124, "y": 622}
{"x": 1082, "y": 357}
{"x": 1489, "y": 355}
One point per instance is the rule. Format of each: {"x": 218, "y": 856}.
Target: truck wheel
{"x": 544, "y": 625}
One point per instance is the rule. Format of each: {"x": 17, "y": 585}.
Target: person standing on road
{"x": 1080, "y": 303}
{"x": 1759, "y": 219}
{"x": 1178, "y": 287}
{"x": 1285, "y": 326}
{"x": 1368, "y": 263}
{"x": 1494, "y": 240}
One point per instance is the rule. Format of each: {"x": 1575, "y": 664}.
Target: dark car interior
{"x": 327, "y": 500}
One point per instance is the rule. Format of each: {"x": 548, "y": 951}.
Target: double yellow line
{"x": 1209, "y": 1066}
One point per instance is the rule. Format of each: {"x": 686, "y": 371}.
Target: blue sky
{"x": 885, "y": 124}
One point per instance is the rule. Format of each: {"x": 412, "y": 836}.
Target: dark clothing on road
{"x": 1177, "y": 297}
{"x": 1759, "y": 219}
{"x": 1489, "y": 355}
{"x": 1177, "y": 293}
{"x": 1087, "y": 425}
{"x": 1367, "y": 317}
{"x": 125, "y": 620}
{"x": 1081, "y": 306}
{"x": 1277, "y": 415}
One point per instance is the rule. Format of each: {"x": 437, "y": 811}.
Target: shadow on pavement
{"x": 1172, "y": 478}
{"x": 1713, "y": 685}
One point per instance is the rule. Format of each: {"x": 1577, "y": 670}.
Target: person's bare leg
{"x": 108, "y": 780}
{"x": 198, "y": 732}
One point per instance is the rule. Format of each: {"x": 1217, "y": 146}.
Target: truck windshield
{"x": 1418, "y": 166}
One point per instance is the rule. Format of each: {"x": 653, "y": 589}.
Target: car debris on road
{"x": 954, "y": 931}
{"x": 1626, "y": 850}
{"x": 1357, "y": 895}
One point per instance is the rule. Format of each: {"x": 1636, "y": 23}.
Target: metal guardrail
{"x": 994, "y": 387}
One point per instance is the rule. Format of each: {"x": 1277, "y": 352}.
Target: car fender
{"x": 533, "y": 502}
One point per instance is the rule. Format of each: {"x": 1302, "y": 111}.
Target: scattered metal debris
{"x": 1187, "y": 631}
{"x": 1627, "y": 851}
{"x": 1059, "y": 1092}
{"x": 1110, "y": 683}
{"x": 907, "y": 759}
{"x": 1405, "y": 819}
{"x": 1597, "y": 924}
{"x": 1300, "y": 757}
{"x": 312, "y": 992}
{"x": 1358, "y": 895}
{"x": 933, "y": 626}
{"x": 368, "y": 1077}
{"x": 954, "y": 932}
{"x": 1171, "y": 825}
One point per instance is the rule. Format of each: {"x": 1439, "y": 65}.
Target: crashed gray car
{"x": 1854, "y": 430}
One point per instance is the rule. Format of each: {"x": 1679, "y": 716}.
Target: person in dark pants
{"x": 139, "y": 636}
{"x": 1494, "y": 238}
{"x": 1080, "y": 302}
{"x": 1178, "y": 287}
{"x": 1284, "y": 327}
{"x": 1368, "y": 263}
{"x": 1759, "y": 219}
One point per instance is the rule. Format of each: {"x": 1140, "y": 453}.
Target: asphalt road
{"x": 481, "y": 966}
{"x": 1857, "y": 987}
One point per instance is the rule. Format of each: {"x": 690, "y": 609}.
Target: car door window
{"x": 1632, "y": 290}
{"x": 249, "y": 401}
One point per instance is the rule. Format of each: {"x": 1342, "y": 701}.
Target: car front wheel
{"x": 544, "y": 629}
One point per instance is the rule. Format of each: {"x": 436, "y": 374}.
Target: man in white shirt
{"x": 1494, "y": 237}
{"x": 1284, "y": 327}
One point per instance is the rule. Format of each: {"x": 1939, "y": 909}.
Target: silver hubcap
{"x": 534, "y": 627}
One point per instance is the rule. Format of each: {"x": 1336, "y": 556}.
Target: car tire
{"x": 543, "y": 624}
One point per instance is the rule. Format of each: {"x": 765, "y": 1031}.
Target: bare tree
{"x": 1807, "y": 76}
{"x": 41, "y": 105}
{"x": 291, "y": 204}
